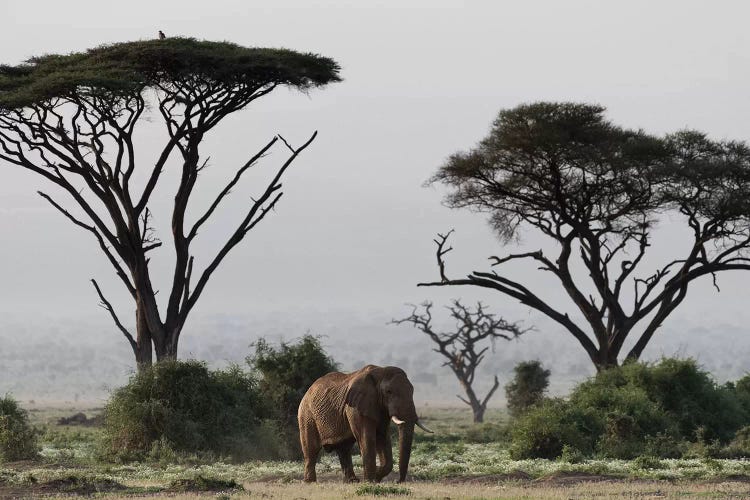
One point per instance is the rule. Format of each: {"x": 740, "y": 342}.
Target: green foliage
{"x": 738, "y": 447}
{"x": 741, "y": 390}
{"x": 530, "y": 382}
{"x": 637, "y": 409}
{"x": 182, "y": 407}
{"x": 380, "y": 490}
{"x": 571, "y": 455}
{"x": 687, "y": 395}
{"x": 648, "y": 462}
{"x": 537, "y": 155}
{"x": 122, "y": 70}
{"x": 18, "y": 439}
{"x": 286, "y": 372}
{"x": 544, "y": 430}
{"x": 486, "y": 433}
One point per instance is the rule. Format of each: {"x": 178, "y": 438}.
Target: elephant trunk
{"x": 405, "y": 437}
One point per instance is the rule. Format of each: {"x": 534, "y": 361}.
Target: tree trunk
{"x": 478, "y": 413}
{"x": 477, "y": 407}
{"x": 606, "y": 358}
{"x": 143, "y": 350}
{"x": 168, "y": 350}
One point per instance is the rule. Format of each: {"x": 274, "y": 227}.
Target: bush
{"x": 544, "y": 430}
{"x": 741, "y": 391}
{"x": 286, "y": 372}
{"x": 638, "y": 409}
{"x": 179, "y": 407}
{"x": 486, "y": 433}
{"x": 739, "y": 447}
{"x": 694, "y": 399}
{"x": 530, "y": 382}
{"x": 18, "y": 439}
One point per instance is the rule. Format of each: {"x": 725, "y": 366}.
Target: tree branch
{"x": 106, "y": 305}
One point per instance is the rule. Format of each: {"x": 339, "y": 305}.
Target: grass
{"x": 379, "y": 490}
{"x": 460, "y": 460}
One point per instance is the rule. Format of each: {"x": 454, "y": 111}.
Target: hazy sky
{"x": 422, "y": 79}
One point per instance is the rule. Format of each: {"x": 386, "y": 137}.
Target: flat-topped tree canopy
{"x": 128, "y": 68}
{"x": 597, "y": 191}
{"x": 72, "y": 120}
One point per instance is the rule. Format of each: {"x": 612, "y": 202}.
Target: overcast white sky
{"x": 422, "y": 79}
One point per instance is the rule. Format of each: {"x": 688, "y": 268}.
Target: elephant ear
{"x": 362, "y": 394}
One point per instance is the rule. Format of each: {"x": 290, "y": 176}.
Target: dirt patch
{"x": 82, "y": 419}
{"x": 731, "y": 478}
{"x": 569, "y": 478}
{"x": 202, "y": 483}
{"x": 487, "y": 479}
{"x": 72, "y": 485}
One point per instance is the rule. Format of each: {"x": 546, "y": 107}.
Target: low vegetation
{"x": 176, "y": 408}
{"x": 670, "y": 409}
{"x": 527, "y": 388}
{"x": 641, "y": 422}
{"x": 18, "y": 440}
{"x": 285, "y": 373}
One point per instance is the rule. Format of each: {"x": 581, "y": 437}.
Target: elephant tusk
{"x": 419, "y": 424}
{"x": 397, "y": 420}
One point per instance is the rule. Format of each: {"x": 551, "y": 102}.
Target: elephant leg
{"x": 310, "y": 441}
{"x": 366, "y": 437}
{"x": 347, "y": 467}
{"x": 385, "y": 455}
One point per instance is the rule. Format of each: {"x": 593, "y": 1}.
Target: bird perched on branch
{"x": 162, "y": 36}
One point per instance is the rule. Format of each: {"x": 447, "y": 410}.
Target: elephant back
{"x": 323, "y": 407}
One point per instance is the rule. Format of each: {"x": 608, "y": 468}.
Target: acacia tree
{"x": 464, "y": 347}
{"x": 596, "y": 192}
{"x": 72, "y": 120}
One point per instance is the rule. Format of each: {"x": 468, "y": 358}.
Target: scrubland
{"x": 461, "y": 460}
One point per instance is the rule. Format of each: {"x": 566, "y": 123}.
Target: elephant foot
{"x": 383, "y": 472}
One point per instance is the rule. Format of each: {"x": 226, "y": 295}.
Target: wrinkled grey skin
{"x": 340, "y": 409}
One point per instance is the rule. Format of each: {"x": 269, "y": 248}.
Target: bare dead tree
{"x": 465, "y": 348}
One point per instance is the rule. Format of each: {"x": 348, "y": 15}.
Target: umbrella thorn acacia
{"x": 72, "y": 120}
{"x": 596, "y": 191}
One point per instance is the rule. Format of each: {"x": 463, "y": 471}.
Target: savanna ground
{"x": 460, "y": 461}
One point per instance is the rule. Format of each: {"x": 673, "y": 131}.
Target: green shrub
{"x": 739, "y": 447}
{"x": 18, "y": 439}
{"x": 545, "y": 429}
{"x": 487, "y": 433}
{"x": 529, "y": 384}
{"x": 178, "y": 407}
{"x": 694, "y": 399}
{"x": 741, "y": 391}
{"x": 686, "y": 399}
{"x": 664, "y": 446}
{"x": 647, "y": 462}
{"x": 286, "y": 372}
{"x": 571, "y": 455}
{"x": 625, "y": 417}
{"x": 639, "y": 409}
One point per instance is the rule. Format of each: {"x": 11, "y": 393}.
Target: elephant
{"x": 340, "y": 409}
